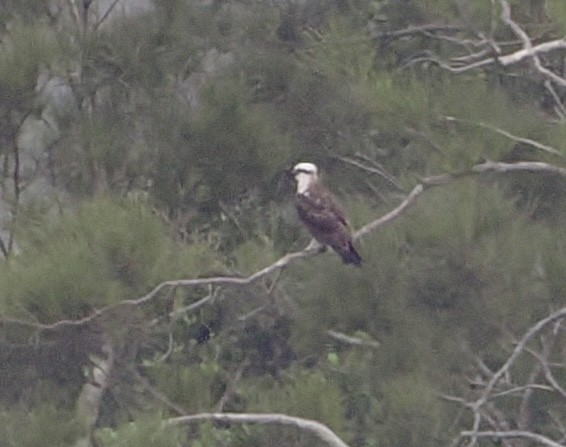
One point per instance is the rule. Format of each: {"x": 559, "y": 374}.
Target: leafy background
{"x": 152, "y": 146}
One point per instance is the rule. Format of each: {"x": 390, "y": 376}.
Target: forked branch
{"x": 312, "y": 249}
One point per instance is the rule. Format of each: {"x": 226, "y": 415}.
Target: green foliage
{"x": 553, "y": 261}
{"x": 27, "y": 10}
{"x": 227, "y": 148}
{"x": 411, "y": 401}
{"x": 233, "y": 142}
{"x": 309, "y": 395}
{"x": 25, "y": 50}
{"x": 190, "y": 386}
{"x": 129, "y": 50}
{"x": 145, "y": 431}
{"x": 557, "y": 10}
{"x": 103, "y": 253}
{"x": 198, "y": 109}
{"x": 251, "y": 256}
{"x": 486, "y": 261}
{"x": 37, "y": 427}
{"x": 340, "y": 52}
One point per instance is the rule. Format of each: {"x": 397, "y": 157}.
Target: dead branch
{"x": 528, "y": 49}
{"x": 490, "y": 52}
{"x": 503, "y": 370}
{"x": 513, "y": 434}
{"x": 355, "y": 341}
{"x": 313, "y": 249}
{"x": 543, "y": 361}
{"x": 529, "y": 166}
{"x": 525, "y": 417}
{"x": 320, "y": 430}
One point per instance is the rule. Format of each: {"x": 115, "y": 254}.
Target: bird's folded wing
{"x": 322, "y": 212}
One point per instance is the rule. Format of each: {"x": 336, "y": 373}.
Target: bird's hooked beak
{"x": 290, "y": 173}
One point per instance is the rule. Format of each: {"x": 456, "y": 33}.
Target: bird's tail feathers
{"x": 350, "y": 255}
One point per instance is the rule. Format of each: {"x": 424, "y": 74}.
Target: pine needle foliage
{"x": 557, "y": 10}
{"x": 190, "y": 386}
{"x": 43, "y": 425}
{"x": 197, "y": 108}
{"x": 145, "y": 431}
{"x": 104, "y": 253}
{"x": 24, "y": 51}
{"x": 309, "y": 395}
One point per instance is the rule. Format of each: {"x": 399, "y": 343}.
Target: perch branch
{"x": 313, "y": 249}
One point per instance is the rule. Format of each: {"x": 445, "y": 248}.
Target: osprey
{"x": 322, "y": 214}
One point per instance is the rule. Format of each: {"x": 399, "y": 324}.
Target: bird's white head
{"x": 304, "y": 174}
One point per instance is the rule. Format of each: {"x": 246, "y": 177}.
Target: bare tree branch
{"x": 513, "y": 434}
{"x": 320, "y": 430}
{"x": 528, "y": 49}
{"x": 393, "y": 214}
{"x": 504, "y": 369}
{"x": 548, "y": 373}
{"x": 529, "y": 166}
{"x": 348, "y": 339}
{"x": 490, "y": 52}
{"x": 312, "y": 249}
{"x": 505, "y": 60}
{"x": 519, "y": 56}
{"x": 559, "y": 108}
{"x": 519, "y": 389}
{"x": 283, "y": 262}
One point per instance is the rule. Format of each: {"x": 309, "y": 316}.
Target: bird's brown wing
{"x": 321, "y": 209}
{"x": 326, "y": 220}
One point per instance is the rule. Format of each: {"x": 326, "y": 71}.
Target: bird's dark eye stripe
{"x": 302, "y": 171}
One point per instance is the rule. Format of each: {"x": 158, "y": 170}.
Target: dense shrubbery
{"x": 154, "y": 148}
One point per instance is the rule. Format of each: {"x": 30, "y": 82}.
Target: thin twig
{"x": 509, "y": 135}
{"x": 105, "y": 15}
{"x": 158, "y": 394}
{"x": 379, "y": 170}
{"x": 519, "y": 348}
{"x": 231, "y": 386}
{"x": 548, "y": 373}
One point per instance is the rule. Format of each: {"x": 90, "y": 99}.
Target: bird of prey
{"x": 322, "y": 214}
